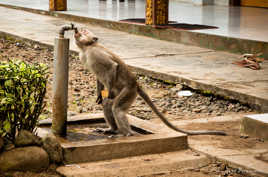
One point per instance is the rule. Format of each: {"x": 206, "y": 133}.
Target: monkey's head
{"x": 84, "y": 37}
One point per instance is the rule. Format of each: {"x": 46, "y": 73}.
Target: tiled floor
{"x": 239, "y": 22}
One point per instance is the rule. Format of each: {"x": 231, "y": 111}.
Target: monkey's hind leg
{"x": 109, "y": 118}
{"x": 120, "y": 107}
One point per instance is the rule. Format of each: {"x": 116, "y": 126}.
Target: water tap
{"x": 67, "y": 28}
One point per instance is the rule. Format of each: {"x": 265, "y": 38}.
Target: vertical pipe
{"x": 60, "y": 86}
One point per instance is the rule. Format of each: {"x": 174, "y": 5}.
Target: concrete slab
{"x": 125, "y": 45}
{"x": 94, "y": 147}
{"x": 231, "y": 35}
{"x": 240, "y": 22}
{"x": 255, "y": 125}
{"x": 251, "y": 158}
{"x": 212, "y": 72}
{"x": 136, "y": 166}
{"x": 249, "y": 162}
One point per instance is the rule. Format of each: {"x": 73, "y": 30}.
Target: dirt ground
{"x": 234, "y": 140}
{"x": 82, "y": 99}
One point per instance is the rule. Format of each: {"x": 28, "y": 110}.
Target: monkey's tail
{"x": 161, "y": 116}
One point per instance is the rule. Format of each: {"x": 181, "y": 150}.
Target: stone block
{"x": 31, "y": 158}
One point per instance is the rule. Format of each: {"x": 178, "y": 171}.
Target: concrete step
{"x": 136, "y": 166}
{"x": 255, "y": 125}
{"x": 83, "y": 145}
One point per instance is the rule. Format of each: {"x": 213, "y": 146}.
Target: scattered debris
{"x": 185, "y": 93}
{"x": 251, "y": 61}
{"x": 244, "y": 136}
{"x": 72, "y": 165}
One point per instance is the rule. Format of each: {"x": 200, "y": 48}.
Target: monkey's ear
{"x": 95, "y": 39}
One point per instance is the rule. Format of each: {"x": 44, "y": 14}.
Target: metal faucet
{"x": 67, "y": 28}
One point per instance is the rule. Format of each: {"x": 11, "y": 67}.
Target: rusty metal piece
{"x": 67, "y": 28}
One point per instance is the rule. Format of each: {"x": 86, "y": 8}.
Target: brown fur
{"x": 113, "y": 74}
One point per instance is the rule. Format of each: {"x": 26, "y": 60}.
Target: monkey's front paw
{"x": 99, "y": 99}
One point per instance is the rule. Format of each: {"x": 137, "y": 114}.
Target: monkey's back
{"x": 124, "y": 76}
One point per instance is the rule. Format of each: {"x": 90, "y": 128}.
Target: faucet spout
{"x": 67, "y": 28}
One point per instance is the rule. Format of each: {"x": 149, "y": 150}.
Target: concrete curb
{"x": 144, "y": 165}
{"x": 230, "y": 44}
{"x": 255, "y": 102}
{"x": 255, "y": 125}
{"x": 233, "y": 162}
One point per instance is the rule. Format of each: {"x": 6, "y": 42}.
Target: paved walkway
{"x": 238, "y": 22}
{"x": 198, "y": 67}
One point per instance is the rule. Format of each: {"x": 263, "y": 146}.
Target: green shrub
{"x": 22, "y": 92}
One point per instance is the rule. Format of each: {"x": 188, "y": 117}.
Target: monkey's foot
{"x": 120, "y": 135}
{"x": 106, "y": 131}
{"x": 129, "y": 133}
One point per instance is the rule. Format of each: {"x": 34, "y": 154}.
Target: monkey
{"x": 114, "y": 75}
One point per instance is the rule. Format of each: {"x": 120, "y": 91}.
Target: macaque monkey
{"x": 113, "y": 74}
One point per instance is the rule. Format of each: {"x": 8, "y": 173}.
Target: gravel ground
{"x": 82, "y": 88}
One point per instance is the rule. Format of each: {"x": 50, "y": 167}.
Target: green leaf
{"x": 8, "y": 83}
{"x": 22, "y": 66}
{"x": 7, "y": 126}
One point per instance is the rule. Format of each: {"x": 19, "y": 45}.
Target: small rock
{"x": 36, "y": 47}
{"x": 244, "y": 136}
{"x": 76, "y": 89}
{"x": 18, "y": 44}
{"x": 197, "y": 110}
{"x": 26, "y": 138}
{"x": 9, "y": 146}
{"x": 223, "y": 167}
{"x": 53, "y": 148}
{"x": 260, "y": 140}
{"x": 179, "y": 87}
{"x": 71, "y": 113}
{"x": 174, "y": 90}
{"x": 77, "y": 94}
{"x": 84, "y": 109}
{"x": 262, "y": 156}
{"x": 30, "y": 158}
{"x": 147, "y": 160}
{"x": 196, "y": 170}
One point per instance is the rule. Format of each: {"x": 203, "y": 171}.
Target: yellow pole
{"x": 57, "y": 5}
{"x": 156, "y": 12}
